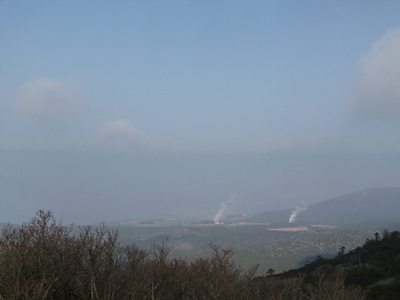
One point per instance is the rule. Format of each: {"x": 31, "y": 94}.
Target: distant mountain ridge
{"x": 376, "y": 206}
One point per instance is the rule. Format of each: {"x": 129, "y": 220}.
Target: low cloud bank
{"x": 122, "y": 135}
{"x": 377, "y": 88}
{"x": 44, "y": 100}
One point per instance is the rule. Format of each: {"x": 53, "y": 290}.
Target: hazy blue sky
{"x": 159, "y": 81}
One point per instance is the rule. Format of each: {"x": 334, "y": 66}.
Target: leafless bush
{"x": 330, "y": 285}
{"x": 45, "y": 260}
{"x": 34, "y": 258}
{"x": 324, "y": 285}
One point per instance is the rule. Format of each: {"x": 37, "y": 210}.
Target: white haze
{"x": 139, "y": 111}
{"x": 85, "y": 187}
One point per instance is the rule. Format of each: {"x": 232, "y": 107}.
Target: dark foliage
{"x": 374, "y": 266}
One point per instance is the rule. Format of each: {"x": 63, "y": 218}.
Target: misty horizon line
{"x": 218, "y": 218}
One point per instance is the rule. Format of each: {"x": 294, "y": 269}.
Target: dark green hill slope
{"x": 375, "y": 206}
{"x": 374, "y": 266}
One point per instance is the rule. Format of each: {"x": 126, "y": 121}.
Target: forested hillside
{"x": 374, "y": 266}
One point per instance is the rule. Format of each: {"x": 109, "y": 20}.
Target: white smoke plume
{"x": 295, "y": 212}
{"x": 226, "y": 208}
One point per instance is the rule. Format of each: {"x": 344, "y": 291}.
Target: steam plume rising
{"x": 226, "y": 208}
{"x": 296, "y": 212}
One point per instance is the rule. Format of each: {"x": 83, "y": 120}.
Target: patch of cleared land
{"x": 299, "y": 228}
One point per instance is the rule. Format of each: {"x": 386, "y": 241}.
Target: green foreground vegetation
{"x": 42, "y": 259}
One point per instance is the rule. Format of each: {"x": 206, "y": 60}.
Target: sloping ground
{"x": 374, "y": 266}
{"x": 376, "y": 206}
